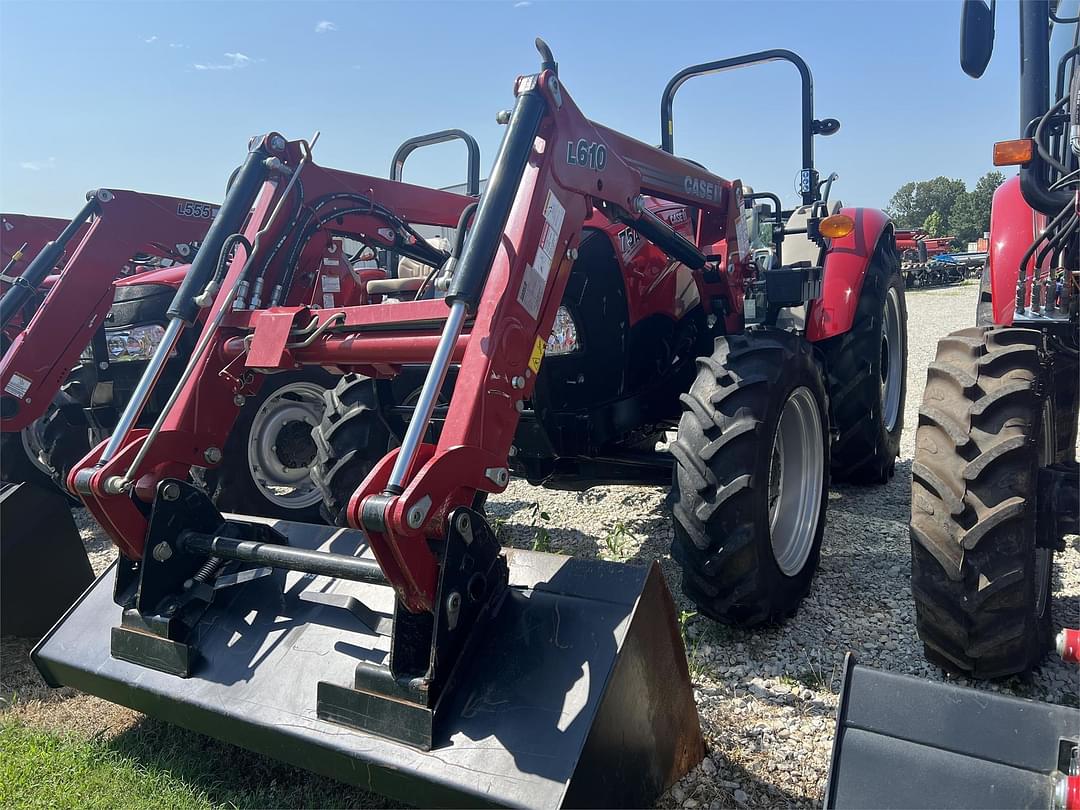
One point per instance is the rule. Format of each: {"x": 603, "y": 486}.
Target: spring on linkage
{"x": 208, "y": 569}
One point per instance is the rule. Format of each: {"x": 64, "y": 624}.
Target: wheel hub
{"x": 892, "y": 366}
{"x": 280, "y": 448}
{"x": 796, "y": 477}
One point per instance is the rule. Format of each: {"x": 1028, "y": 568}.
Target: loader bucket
{"x": 576, "y": 694}
{"x": 903, "y": 742}
{"x": 43, "y": 564}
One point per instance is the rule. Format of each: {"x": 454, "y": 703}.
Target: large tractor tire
{"x": 351, "y": 437}
{"x": 867, "y": 377}
{"x": 751, "y": 478}
{"x": 981, "y": 586}
{"x": 266, "y": 462}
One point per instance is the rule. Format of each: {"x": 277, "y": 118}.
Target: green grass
{"x": 151, "y": 766}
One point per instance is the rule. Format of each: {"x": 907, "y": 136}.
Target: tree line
{"x": 944, "y": 207}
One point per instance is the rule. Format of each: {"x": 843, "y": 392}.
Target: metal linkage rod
{"x": 324, "y": 563}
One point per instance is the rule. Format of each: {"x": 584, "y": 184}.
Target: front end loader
{"x": 402, "y": 649}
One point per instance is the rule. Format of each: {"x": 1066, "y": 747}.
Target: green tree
{"x": 914, "y": 202}
{"x": 932, "y": 224}
{"x": 971, "y": 212}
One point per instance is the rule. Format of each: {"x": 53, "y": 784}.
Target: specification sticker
{"x": 531, "y": 293}
{"x": 17, "y": 386}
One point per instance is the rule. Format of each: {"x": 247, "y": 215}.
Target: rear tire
{"x": 743, "y": 563}
{"x": 265, "y": 468}
{"x": 981, "y": 587}
{"x": 867, "y": 377}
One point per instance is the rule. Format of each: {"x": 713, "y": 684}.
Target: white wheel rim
{"x": 892, "y": 344}
{"x": 280, "y": 449}
{"x": 31, "y": 443}
{"x": 796, "y": 478}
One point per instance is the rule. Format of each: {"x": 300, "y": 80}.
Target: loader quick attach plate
{"x": 577, "y": 694}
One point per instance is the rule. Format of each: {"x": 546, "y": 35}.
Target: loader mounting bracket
{"x": 164, "y": 595}
{"x": 401, "y": 701}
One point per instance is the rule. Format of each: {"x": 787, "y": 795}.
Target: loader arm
{"x": 124, "y": 223}
{"x": 553, "y": 168}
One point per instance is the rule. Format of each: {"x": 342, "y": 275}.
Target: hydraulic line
{"x": 209, "y": 330}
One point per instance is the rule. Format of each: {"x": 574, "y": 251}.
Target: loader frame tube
{"x": 19, "y": 292}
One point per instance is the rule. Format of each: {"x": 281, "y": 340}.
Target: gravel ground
{"x": 766, "y": 699}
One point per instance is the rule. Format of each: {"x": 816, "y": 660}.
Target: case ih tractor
{"x": 600, "y": 292}
{"x": 995, "y": 476}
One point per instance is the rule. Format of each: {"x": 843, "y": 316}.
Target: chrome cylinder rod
{"x": 429, "y": 395}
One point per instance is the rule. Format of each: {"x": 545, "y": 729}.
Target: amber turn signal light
{"x": 836, "y": 226}
{"x": 1014, "y": 153}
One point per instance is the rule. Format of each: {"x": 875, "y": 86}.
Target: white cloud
{"x": 235, "y": 61}
{"x": 148, "y": 40}
{"x": 38, "y": 165}
{"x": 177, "y": 45}
{"x": 323, "y": 26}
{"x": 522, "y": 3}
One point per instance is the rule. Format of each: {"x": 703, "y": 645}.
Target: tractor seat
{"x": 798, "y": 247}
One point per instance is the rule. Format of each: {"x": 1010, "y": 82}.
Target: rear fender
{"x": 846, "y": 263}
{"x": 1013, "y": 225}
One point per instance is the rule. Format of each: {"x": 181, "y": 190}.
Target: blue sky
{"x": 162, "y": 96}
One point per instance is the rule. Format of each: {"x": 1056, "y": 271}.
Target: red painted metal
{"x": 49, "y": 346}
{"x": 845, "y": 268}
{"x": 1013, "y": 227}
{"x": 1068, "y": 646}
{"x": 555, "y": 201}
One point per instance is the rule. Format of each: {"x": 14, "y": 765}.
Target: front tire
{"x": 867, "y": 377}
{"x": 981, "y": 586}
{"x": 751, "y": 478}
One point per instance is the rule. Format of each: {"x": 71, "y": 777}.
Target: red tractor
{"x": 995, "y": 476}
{"x": 599, "y": 294}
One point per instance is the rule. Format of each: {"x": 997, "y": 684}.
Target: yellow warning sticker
{"x": 537, "y": 356}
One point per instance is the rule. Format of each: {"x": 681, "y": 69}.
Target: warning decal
{"x": 531, "y": 293}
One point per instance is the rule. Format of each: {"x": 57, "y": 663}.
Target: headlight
{"x": 133, "y": 343}
{"x": 564, "y": 338}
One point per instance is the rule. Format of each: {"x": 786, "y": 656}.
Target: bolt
{"x": 453, "y": 601}
{"x": 103, "y": 365}
{"x": 239, "y": 400}
{"x": 502, "y": 117}
{"x": 162, "y": 551}
{"x": 170, "y": 491}
{"x": 277, "y": 143}
{"x": 416, "y": 517}
{"x": 212, "y": 455}
{"x": 518, "y": 382}
{"x": 463, "y": 523}
{"x": 513, "y": 451}
{"x": 519, "y": 406}
{"x": 573, "y": 254}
